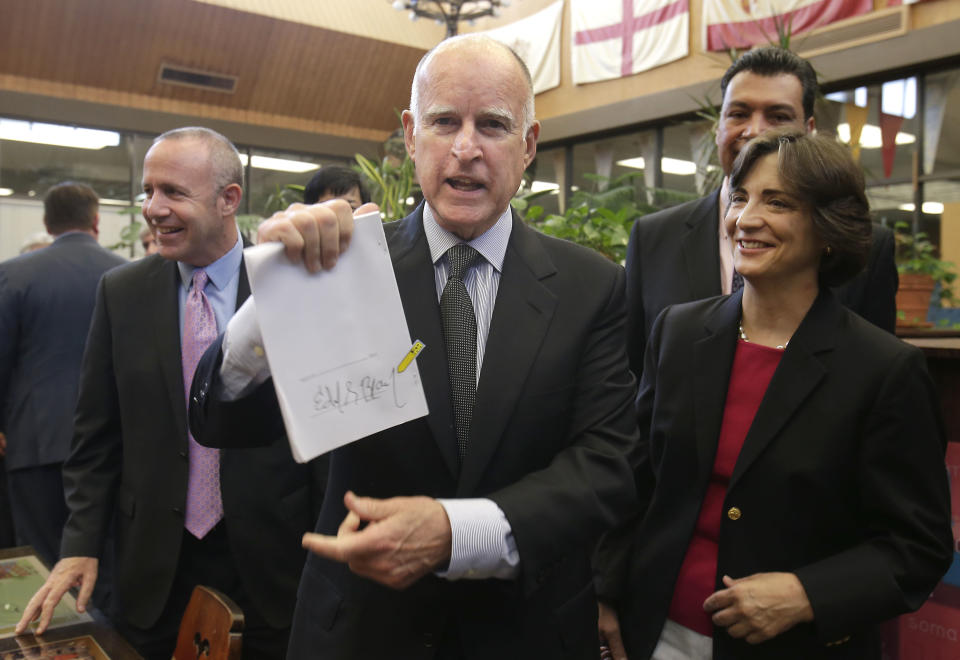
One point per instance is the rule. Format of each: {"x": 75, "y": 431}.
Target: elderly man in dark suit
{"x": 184, "y": 515}
{"x": 681, "y": 254}
{"x": 465, "y": 534}
{"x": 46, "y": 300}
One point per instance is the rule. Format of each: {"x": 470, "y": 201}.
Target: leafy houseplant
{"x": 130, "y": 234}
{"x": 920, "y": 272}
{"x": 391, "y": 185}
{"x": 600, "y": 219}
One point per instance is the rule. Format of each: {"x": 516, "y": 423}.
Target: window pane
{"x": 689, "y": 161}
{"x": 941, "y": 150}
{"x": 28, "y": 169}
{"x": 545, "y": 173}
{"x": 942, "y": 202}
{"x": 615, "y": 157}
{"x": 885, "y": 108}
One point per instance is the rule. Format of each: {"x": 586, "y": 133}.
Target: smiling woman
{"x": 780, "y": 458}
{"x": 798, "y": 218}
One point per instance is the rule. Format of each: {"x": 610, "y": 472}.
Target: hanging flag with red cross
{"x": 616, "y": 38}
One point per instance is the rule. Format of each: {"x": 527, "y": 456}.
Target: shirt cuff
{"x": 482, "y": 543}
{"x": 244, "y": 364}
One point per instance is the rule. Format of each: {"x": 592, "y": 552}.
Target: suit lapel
{"x": 800, "y": 371}
{"x": 166, "y": 327}
{"x": 700, "y": 249}
{"x": 521, "y": 316}
{"x": 713, "y": 359}
{"x": 415, "y": 280}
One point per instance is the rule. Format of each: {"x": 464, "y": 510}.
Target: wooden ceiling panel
{"x": 286, "y": 70}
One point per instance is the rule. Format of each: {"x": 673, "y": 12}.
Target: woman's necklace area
{"x": 743, "y": 336}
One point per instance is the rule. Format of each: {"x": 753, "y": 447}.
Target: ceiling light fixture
{"x": 543, "y": 186}
{"x": 450, "y": 12}
{"x": 57, "y": 135}
{"x": 870, "y": 136}
{"x": 667, "y": 165}
{"x": 930, "y": 208}
{"x": 279, "y": 164}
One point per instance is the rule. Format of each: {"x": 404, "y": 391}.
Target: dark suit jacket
{"x": 672, "y": 258}
{"x": 46, "y": 300}
{"x": 840, "y": 479}
{"x": 130, "y": 454}
{"x": 552, "y": 427}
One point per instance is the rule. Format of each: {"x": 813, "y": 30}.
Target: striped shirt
{"x": 483, "y": 277}
{"x": 483, "y": 545}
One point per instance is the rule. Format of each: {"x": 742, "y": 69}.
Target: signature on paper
{"x": 342, "y": 393}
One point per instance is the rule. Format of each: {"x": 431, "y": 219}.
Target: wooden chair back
{"x": 211, "y": 627}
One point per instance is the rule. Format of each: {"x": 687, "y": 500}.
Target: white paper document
{"x": 337, "y": 342}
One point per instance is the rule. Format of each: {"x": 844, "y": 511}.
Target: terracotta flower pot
{"x": 913, "y": 300}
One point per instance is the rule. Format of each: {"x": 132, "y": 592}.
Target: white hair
{"x": 35, "y": 242}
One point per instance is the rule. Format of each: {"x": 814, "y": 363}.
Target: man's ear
{"x": 530, "y": 143}
{"x": 408, "y": 133}
{"x": 231, "y": 196}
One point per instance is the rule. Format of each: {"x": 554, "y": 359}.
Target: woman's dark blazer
{"x": 840, "y": 480}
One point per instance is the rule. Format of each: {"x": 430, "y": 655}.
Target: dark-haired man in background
{"x": 682, "y": 253}
{"x": 46, "y": 300}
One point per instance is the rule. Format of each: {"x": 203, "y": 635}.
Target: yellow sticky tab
{"x": 410, "y": 356}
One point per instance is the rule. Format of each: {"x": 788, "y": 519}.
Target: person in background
{"x": 792, "y": 485}
{"x": 148, "y": 241}
{"x": 335, "y": 182}
{"x": 36, "y": 241}
{"x": 46, "y": 301}
{"x": 185, "y": 516}
{"x": 682, "y": 253}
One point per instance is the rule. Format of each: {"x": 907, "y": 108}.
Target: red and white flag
{"x": 616, "y": 38}
{"x": 745, "y": 23}
{"x": 536, "y": 39}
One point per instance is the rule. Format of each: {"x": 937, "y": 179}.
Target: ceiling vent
{"x": 856, "y": 31}
{"x": 213, "y": 82}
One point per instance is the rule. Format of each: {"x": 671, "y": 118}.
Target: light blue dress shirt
{"x": 221, "y": 290}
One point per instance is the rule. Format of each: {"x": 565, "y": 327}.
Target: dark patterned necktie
{"x": 460, "y": 337}
{"x": 737, "y": 283}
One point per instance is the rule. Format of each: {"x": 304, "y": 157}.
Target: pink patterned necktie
{"x": 204, "y": 506}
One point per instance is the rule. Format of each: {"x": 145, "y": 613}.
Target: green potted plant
{"x": 920, "y": 272}
{"x": 601, "y": 218}
{"x": 130, "y": 234}
{"x": 392, "y": 184}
